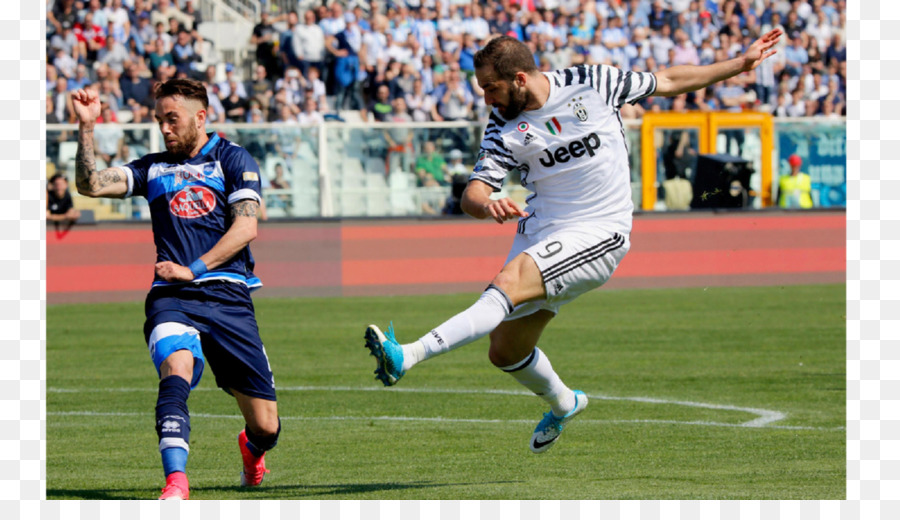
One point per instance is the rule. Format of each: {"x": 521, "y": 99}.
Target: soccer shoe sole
{"x": 581, "y": 402}
{"x": 246, "y": 483}
{"x": 175, "y": 494}
{"x": 375, "y": 340}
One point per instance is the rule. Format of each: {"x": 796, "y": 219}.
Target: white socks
{"x": 536, "y": 373}
{"x": 471, "y": 324}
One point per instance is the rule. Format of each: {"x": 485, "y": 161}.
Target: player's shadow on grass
{"x": 282, "y": 492}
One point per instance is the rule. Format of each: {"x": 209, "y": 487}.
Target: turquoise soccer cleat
{"x": 551, "y": 426}
{"x": 387, "y": 352}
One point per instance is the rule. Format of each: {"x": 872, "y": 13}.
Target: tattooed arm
{"x": 239, "y": 235}
{"x": 110, "y": 182}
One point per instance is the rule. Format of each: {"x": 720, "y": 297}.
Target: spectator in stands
{"x": 265, "y": 38}
{"x": 454, "y": 100}
{"x": 381, "y": 107}
{"x": 136, "y": 91}
{"x": 193, "y": 12}
{"x": 795, "y": 55}
{"x": 279, "y": 181}
{"x": 836, "y": 51}
{"x": 308, "y": 44}
{"x": 51, "y": 76}
{"x": 345, "y": 47}
{"x": 145, "y": 31}
{"x": 60, "y": 208}
{"x": 286, "y": 44}
{"x": 659, "y": 16}
{"x": 61, "y": 101}
{"x": 51, "y": 117}
{"x": 100, "y": 14}
{"x": 316, "y": 88}
{"x": 402, "y": 84}
{"x": 116, "y": 14}
{"x": 661, "y": 42}
{"x": 114, "y": 55}
{"x": 165, "y": 10}
{"x": 62, "y": 11}
{"x": 616, "y": 40}
{"x": 161, "y": 59}
{"x": 183, "y": 54}
{"x": 67, "y": 50}
{"x": 108, "y": 136}
{"x": 419, "y": 103}
{"x": 235, "y": 106}
{"x": 111, "y": 93}
{"x": 224, "y": 87}
{"x": 286, "y": 114}
{"x": 81, "y": 78}
{"x": 310, "y": 114}
{"x": 431, "y": 169}
{"x": 216, "y": 112}
{"x": 91, "y": 37}
{"x": 399, "y": 139}
{"x": 685, "y": 52}
{"x": 261, "y": 89}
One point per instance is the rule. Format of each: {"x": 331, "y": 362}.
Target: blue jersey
{"x": 189, "y": 204}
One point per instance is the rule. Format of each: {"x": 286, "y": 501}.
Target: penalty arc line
{"x": 765, "y": 418}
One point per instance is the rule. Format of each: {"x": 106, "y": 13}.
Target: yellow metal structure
{"x": 707, "y": 125}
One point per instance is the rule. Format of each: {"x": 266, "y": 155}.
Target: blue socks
{"x": 173, "y": 423}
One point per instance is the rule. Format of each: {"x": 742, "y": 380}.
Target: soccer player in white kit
{"x": 563, "y": 132}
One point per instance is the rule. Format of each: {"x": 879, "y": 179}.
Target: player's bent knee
{"x": 264, "y": 437}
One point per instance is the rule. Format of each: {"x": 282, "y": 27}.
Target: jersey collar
{"x": 213, "y": 139}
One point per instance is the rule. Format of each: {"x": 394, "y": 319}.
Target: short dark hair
{"x": 186, "y": 88}
{"x": 507, "y": 56}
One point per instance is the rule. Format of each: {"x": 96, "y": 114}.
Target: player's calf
{"x": 173, "y": 428}
{"x": 253, "y": 452}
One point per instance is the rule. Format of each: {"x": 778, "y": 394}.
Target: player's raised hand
{"x": 761, "y": 49}
{"x": 172, "y": 272}
{"x": 86, "y": 103}
{"x": 504, "y": 209}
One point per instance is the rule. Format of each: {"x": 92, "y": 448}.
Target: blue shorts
{"x": 217, "y": 323}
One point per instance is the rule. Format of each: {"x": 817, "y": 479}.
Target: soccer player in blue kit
{"x": 204, "y": 195}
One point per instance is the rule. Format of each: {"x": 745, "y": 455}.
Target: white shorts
{"x": 572, "y": 261}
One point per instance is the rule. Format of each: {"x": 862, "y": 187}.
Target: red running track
{"x": 114, "y": 262}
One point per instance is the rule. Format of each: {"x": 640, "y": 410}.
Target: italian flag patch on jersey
{"x": 553, "y": 126}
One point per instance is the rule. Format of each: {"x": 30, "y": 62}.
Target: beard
{"x": 186, "y": 144}
{"x": 518, "y": 100}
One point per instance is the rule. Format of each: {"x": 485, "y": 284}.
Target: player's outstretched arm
{"x": 110, "y": 182}
{"x": 687, "y": 78}
{"x": 476, "y": 201}
{"x": 244, "y": 214}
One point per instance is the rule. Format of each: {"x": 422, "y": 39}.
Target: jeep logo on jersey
{"x": 588, "y": 144}
{"x": 193, "y": 202}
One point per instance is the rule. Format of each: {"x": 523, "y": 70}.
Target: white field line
{"x": 765, "y": 418}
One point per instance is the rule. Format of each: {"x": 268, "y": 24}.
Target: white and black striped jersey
{"x": 571, "y": 152}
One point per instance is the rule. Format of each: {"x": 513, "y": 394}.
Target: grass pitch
{"x": 716, "y": 393}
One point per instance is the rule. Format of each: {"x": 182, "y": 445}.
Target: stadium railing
{"x": 368, "y": 169}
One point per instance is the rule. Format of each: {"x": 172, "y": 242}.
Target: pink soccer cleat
{"x": 254, "y": 467}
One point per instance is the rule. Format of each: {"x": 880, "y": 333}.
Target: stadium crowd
{"x": 413, "y": 60}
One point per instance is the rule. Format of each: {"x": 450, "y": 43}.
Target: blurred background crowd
{"x": 413, "y": 60}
